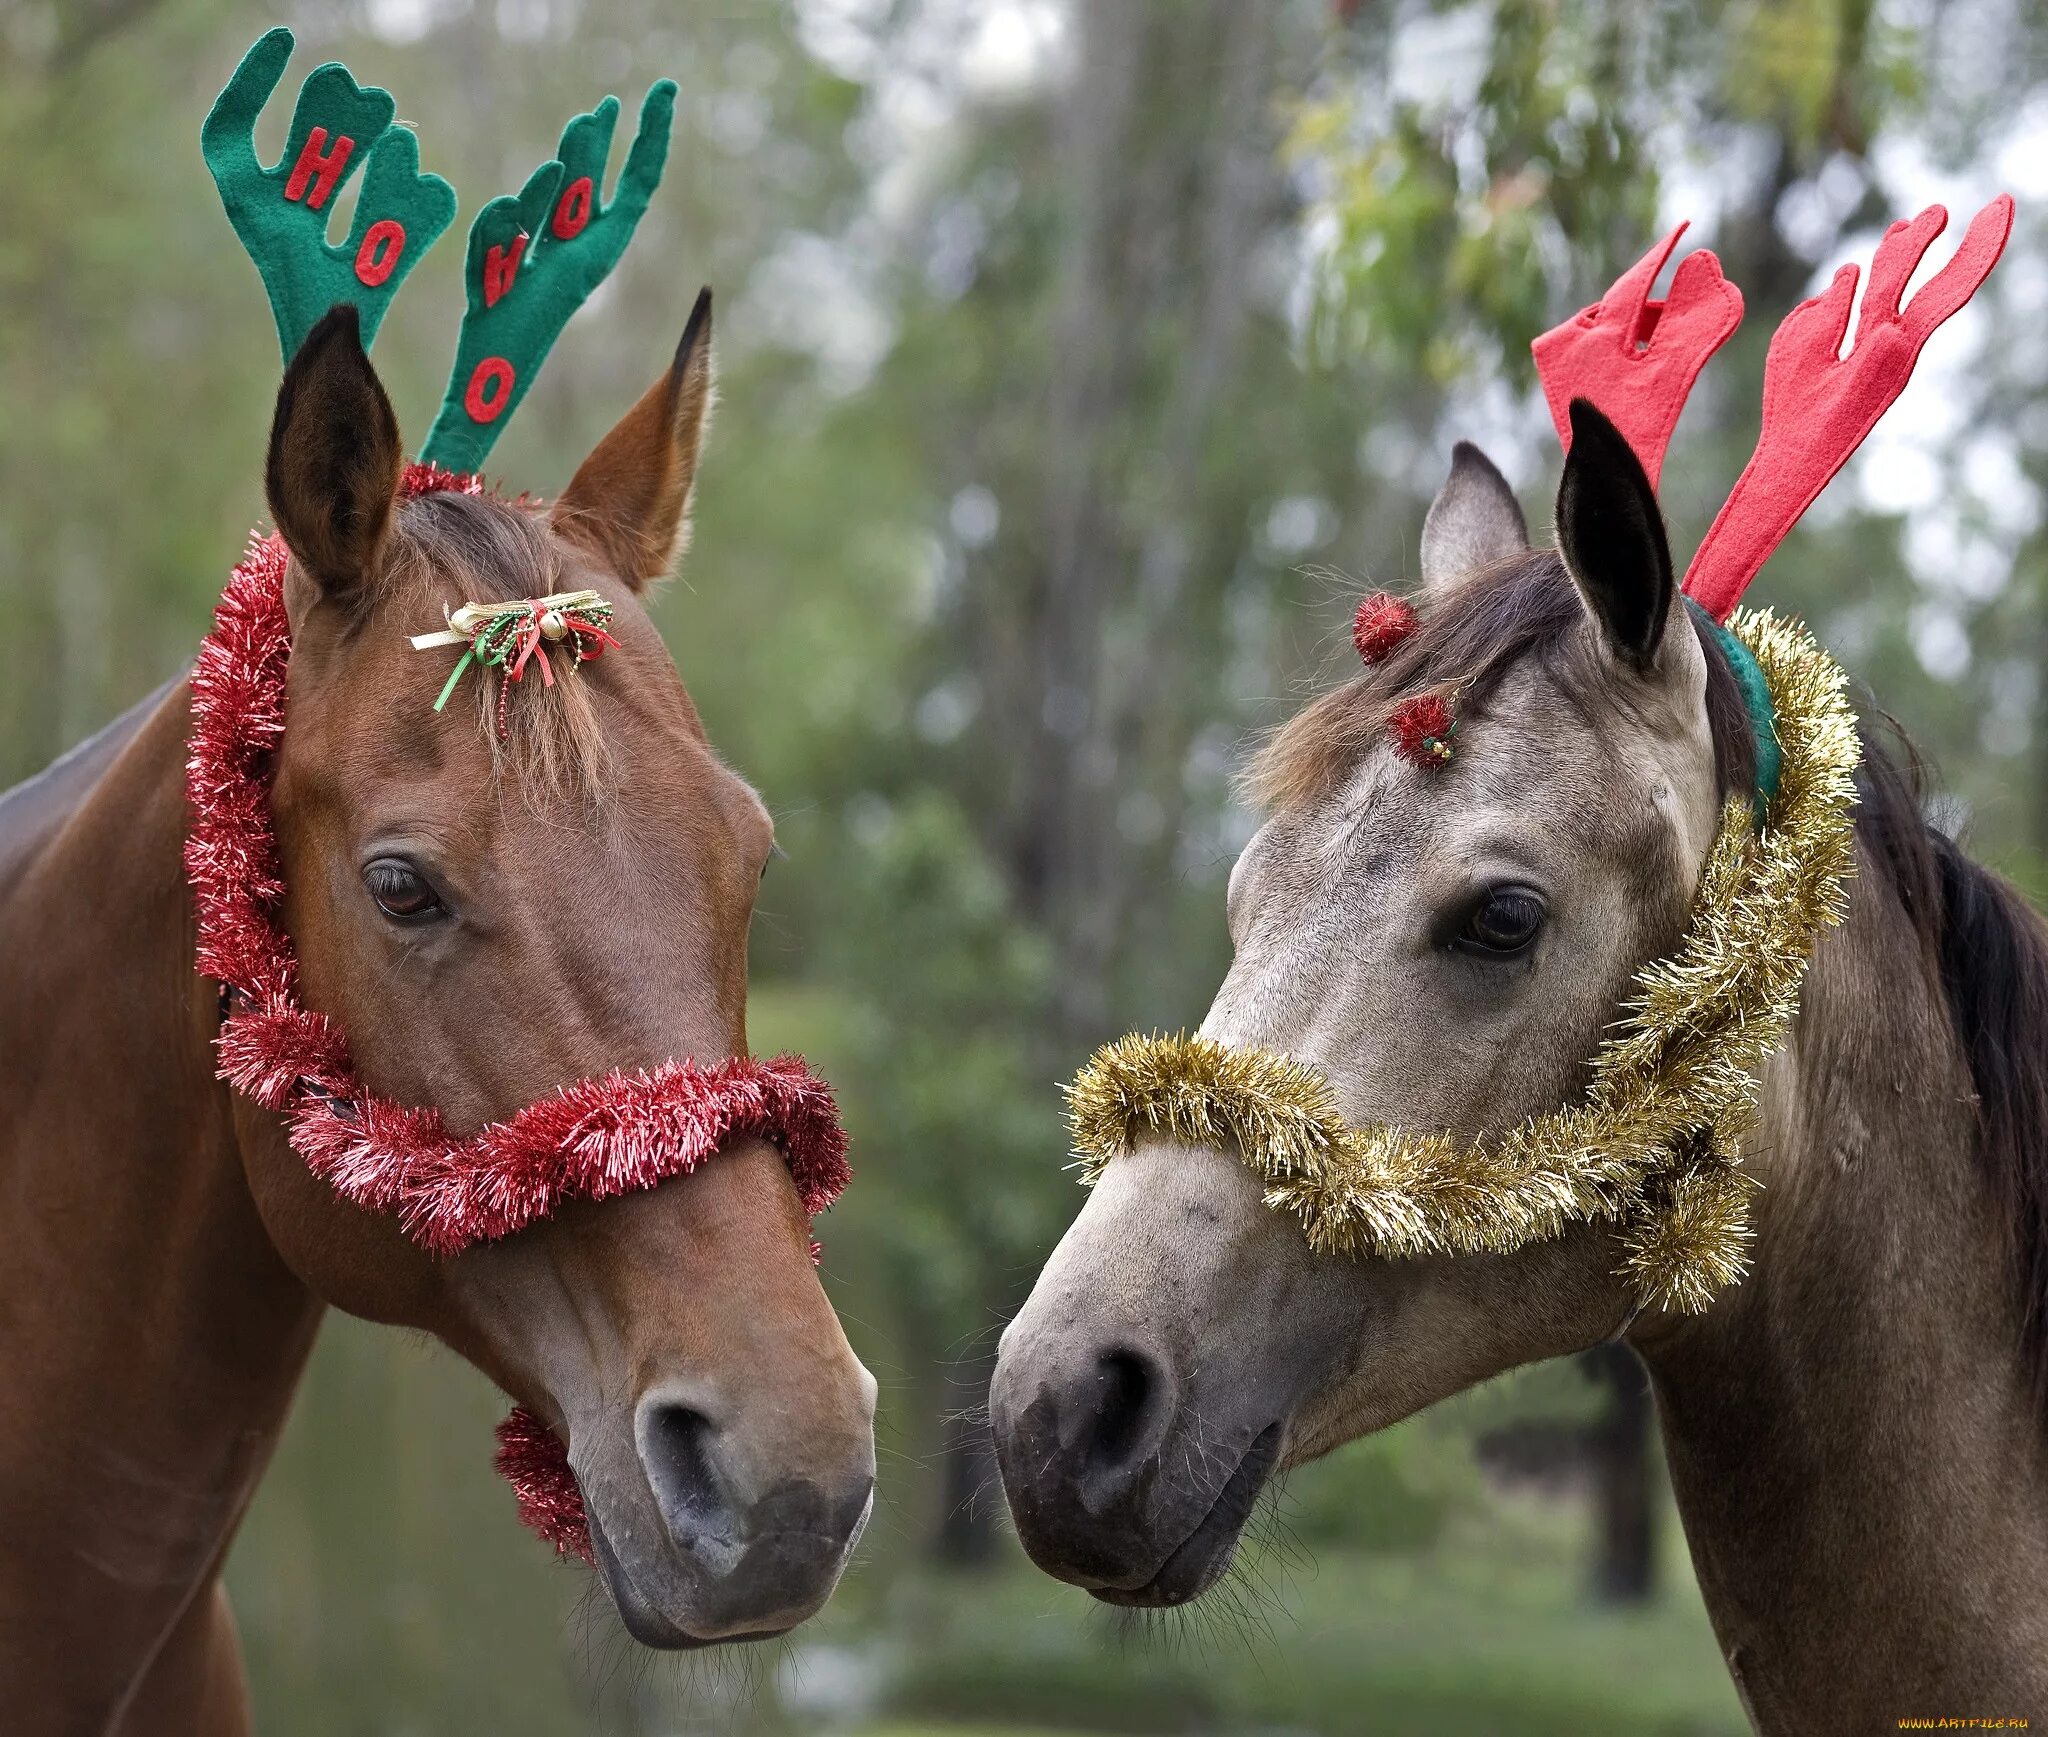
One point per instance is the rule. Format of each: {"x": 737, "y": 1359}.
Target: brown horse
{"x": 486, "y": 921}
{"x": 1856, "y": 1431}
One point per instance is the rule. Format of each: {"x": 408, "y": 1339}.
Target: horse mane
{"x": 1988, "y": 948}
{"x": 1469, "y": 638}
{"x": 1984, "y": 946}
{"x": 491, "y": 551}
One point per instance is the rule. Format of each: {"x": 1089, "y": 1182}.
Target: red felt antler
{"x": 1819, "y": 405}
{"x": 1637, "y": 359}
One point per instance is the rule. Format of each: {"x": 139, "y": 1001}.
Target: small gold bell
{"x": 553, "y": 626}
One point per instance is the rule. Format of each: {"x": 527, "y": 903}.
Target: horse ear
{"x": 335, "y": 457}
{"x": 1474, "y": 521}
{"x": 627, "y": 502}
{"x": 1611, "y": 535}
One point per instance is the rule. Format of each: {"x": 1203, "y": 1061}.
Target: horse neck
{"x": 1852, "y": 1433}
{"x": 152, "y": 1336}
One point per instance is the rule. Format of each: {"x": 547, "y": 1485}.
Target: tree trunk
{"x": 1089, "y": 628}
{"x": 1625, "y": 1480}
{"x": 1166, "y": 179}
{"x": 972, "y": 1493}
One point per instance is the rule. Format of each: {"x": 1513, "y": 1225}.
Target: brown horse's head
{"x": 1448, "y": 947}
{"x": 488, "y": 920}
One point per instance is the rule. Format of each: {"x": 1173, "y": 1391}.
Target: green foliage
{"x": 342, "y": 1587}
{"x": 1139, "y": 1694}
{"x": 1484, "y": 1636}
{"x": 1394, "y": 1492}
{"x": 1462, "y": 217}
{"x": 958, "y": 1125}
{"x": 1820, "y": 69}
{"x": 1452, "y": 219}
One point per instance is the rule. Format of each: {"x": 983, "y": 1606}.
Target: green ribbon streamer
{"x": 454, "y": 676}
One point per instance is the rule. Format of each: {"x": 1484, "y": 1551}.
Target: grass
{"x": 956, "y": 1730}
{"x": 381, "y": 1586}
{"x": 1487, "y": 1633}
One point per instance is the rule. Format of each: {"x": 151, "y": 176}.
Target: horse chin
{"x": 669, "y": 1598}
{"x": 647, "y": 1624}
{"x": 1202, "y": 1558}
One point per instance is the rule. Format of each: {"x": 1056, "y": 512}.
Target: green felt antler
{"x": 534, "y": 257}
{"x": 281, "y": 213}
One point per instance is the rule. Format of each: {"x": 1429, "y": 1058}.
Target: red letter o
{"x": 377, "y": 258}
{"x": 572, "y": 210}
{"x": 490, "y": 389}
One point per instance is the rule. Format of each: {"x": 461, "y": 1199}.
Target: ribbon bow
{"x": 508, "y": 636}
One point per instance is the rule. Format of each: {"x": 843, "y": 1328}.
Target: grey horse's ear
{"x": 1611, "y": 535}
{"x": 1474, "y": 521}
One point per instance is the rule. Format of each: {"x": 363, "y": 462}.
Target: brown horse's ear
{"x": 627, "y": 502}
{"x": 1474, "y": 521}
{"x": 335, "y": 457}
{"x": 1611, "y": 535}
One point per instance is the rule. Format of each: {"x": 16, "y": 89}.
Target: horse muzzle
{"x": 1138, "y": 1409}
{"x": 1115, "y": 1481}
{"x": 702, "y": 1539}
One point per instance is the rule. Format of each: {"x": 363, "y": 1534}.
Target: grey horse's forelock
{"x": 1469, "y": 638}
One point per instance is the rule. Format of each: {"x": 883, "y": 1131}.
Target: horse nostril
{"x": 1122, "y": 1415}
{"x": 675, "y": 1445}
{"x": 1125, "y": 1387}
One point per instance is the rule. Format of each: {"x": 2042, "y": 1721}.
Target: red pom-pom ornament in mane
{"x": 1383, "y": 621}
{"x": 590, "y": 1140}
{"x": 1422, "y": 728}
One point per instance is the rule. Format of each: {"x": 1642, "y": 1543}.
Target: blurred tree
{"x": 1087, "y": 622}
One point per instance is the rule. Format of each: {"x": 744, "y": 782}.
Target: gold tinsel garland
{"x": 1655, "y": 1142}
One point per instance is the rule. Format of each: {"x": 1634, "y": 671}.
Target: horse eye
{"x": 1505, "y": 922}
{"x": 400, "y": 890}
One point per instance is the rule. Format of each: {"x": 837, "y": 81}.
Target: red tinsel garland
{"x": 592, "y": 1139}
{"x": 531, "y": 1460}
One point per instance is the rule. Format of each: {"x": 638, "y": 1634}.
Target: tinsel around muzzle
{"x": 1656, "y": 1141}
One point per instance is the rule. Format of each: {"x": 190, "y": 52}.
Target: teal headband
{"x": 1756, "y": 700}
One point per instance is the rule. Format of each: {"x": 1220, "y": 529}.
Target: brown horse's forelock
{"x": 1985, "y": 949}
{"x": 494, "y": 551}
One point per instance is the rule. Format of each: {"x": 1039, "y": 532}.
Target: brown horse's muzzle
{"x": 719, "y": 1427}
{"x": 726, "y": 1556}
